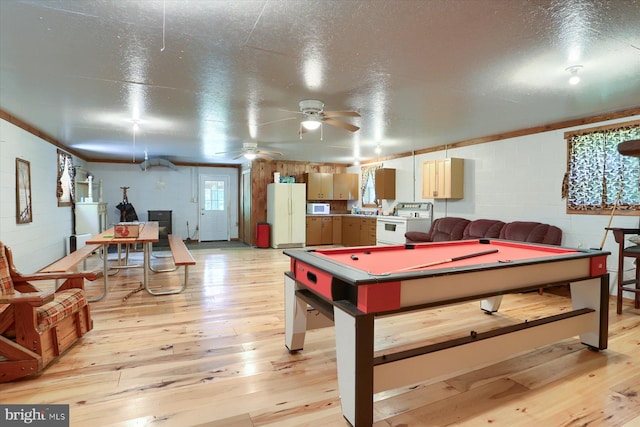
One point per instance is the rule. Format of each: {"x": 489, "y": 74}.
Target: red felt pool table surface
{"x": 390, "y": 259}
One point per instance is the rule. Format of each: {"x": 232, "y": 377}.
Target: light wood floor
{"x": 215, "y": 356}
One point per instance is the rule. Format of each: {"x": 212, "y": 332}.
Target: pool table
{"x": 349, "y": 287}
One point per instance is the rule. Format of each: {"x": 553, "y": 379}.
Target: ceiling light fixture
{"x": 311, "y": 122}
{"x": 573, "y": 70}
{"x": 378, "y": 149}
{"x": 249, "y": 156}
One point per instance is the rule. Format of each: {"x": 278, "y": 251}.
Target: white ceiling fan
{"x": 250, "y": 151}
{"x": 315, "y": 115}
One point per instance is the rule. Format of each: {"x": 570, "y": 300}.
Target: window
{"x": 368, "y": 188}
{"x": 597, "y": 175}
{"x": 66, "y": 179}
{"x": 214, "y": 195}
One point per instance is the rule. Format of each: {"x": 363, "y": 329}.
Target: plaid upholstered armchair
{"x": 36, "y": 327}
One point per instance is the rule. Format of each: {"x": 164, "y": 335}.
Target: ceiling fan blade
{"x": 276, "y": 121}
{"x": 290, "y": 111}
{"x": 340, "y": 124}
{"x": 341, "y": 114}
{"x": 264, "y": 157}
{"x": 238, "y": 156}
{"x": 270, "y": 153}
{"x": 229, "y": 152}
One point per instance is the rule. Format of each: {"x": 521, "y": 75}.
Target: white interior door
{"x": 214, "y": 208}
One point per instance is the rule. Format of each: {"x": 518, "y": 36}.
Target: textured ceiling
{"x": 202, "y": 77}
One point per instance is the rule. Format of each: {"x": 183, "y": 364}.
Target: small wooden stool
{"x": 627, "y": 252}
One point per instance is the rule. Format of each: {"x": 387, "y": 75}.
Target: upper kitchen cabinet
{"x": 345, "y": 186}
{"x": 443, "y": 179}
{"x": 385, "y": 182}
{"x": 319, "y": 186}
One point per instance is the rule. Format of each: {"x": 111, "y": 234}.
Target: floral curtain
{"x": 368, "y": 183}
{"x": 598, "y": 176}
{"x": 65, "y": 184}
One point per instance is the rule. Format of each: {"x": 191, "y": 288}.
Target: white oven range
{"x": 412, "y": 216}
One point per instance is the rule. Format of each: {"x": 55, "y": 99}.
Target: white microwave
{"x": 318, "y": 208}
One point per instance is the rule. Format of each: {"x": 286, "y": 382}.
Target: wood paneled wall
{"x": 262, "y": 174}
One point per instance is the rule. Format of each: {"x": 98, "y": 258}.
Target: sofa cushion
{"x": 482, "y": 228}
{"x": 442, "y": 230}
{"x": 532, "y": 232}
{"x": 416, "y": 237}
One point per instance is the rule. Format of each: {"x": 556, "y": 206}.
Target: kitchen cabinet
{"x": 358, "y": 231}
{"x": 314, "y": 230}
{"x": 350, "y": 231}
{"x": 319, "y": 230}
{"x": 368, "y": 232}
{"x": 337, "y": 230}
{"x": 443, "y": 179}
{"x": 319, "y": 186}
{"x": 385, "y": 184}
{"x": 345, "y": 186}
{"x": 326, "y": 232}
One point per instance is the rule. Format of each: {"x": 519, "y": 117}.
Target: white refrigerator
{"x": 286, "y": 215}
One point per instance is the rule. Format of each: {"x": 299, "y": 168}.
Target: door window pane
{"x": 214, "y": 195}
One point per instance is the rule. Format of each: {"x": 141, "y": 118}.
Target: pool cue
{"x": 613, "y": 211}
{"x": 444, "y": 261}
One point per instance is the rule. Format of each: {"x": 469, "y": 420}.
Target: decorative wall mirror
{"x": 65, "y": 182}
{"x": 23, "y": 192}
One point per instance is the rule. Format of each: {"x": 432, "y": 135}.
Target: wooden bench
{"x": 181, "y": 258}
{"x": 71, "y": 261}
{"x": 180, "y": 252}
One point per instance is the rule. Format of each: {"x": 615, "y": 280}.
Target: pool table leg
{"x": 354, "y": 355}
{"x": 295, "y": 316}
{"x": 491, "y": 305}
{"x": 593, "y": 293}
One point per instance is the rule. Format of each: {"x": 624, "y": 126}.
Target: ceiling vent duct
{"x": 147, "y": 164}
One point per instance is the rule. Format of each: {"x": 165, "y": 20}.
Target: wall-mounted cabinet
{"x": 385, "y": 182}
{"x": 345, "y": 186}
{"x": 319, "y": 186}
{"x": 443, "y": 179}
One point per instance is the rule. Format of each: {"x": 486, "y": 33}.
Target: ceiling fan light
{"x": 311, "y": 123}
{"x": 249, "y": 156}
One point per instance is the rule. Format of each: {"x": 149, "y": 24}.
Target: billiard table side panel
{"x": 481, "y": 283}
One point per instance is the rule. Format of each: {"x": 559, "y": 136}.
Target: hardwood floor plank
{"x": 214, "y": 355}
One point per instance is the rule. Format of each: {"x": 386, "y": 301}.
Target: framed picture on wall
{"x": 23, "y": 191}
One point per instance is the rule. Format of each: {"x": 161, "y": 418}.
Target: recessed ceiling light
{"x": 573, "y": 70}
